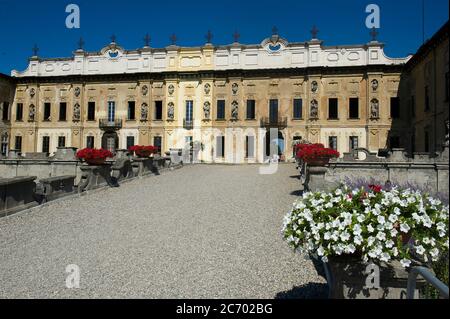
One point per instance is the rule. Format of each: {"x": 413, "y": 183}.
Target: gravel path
{"x": 199, "y": 232}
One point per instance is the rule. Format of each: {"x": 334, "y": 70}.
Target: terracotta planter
{"x": 96, "y": 161}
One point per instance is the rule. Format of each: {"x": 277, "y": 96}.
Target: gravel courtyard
{"x": 199, "y": 232}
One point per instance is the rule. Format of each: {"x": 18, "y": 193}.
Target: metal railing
{"x": 280, "y": 122}
{"x": 188, "y": 124}
{"x": 115, "y": 124}
{"x": 429, "y": 277}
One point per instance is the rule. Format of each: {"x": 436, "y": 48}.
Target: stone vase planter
{"x": 319, "y": 161}
{"x": 96, "y": 161}
{"x": 350, "y": 278}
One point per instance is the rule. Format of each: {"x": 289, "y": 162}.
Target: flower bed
{"x": 94, "y": 156}
{"x": 315, "y": 154}
{"x": 143, "y": 151}
{"x": 372, "y": 224}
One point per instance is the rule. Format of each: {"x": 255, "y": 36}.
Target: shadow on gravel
{"x": 295, "y": 176}
{"x": 297, "y": 193}
{"x": 308, "y": 291}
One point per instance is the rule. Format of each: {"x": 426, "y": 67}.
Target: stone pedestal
{"x": 122, "y": 169}
{"x": 315, "y": 178}
{"x": 94, "y": 177}
{"x": 16, "y": 194}
{"x": 65, "y": 154}
{"x": 350, "y": 278}
{"x": 143, "y": 166}
{"x": 122, "y": 153}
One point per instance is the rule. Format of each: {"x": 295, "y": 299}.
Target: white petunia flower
{"x": 390, "y": 244}
{"x": 404, "y": 228}
{"x": 381, "y": 220}
{"x": 393, "y": 218}
{"x": 370, "y": 228}
{"x": 381, "y": 236}
{"x": 420, "y": 250}
{"x": 405, "y": 263}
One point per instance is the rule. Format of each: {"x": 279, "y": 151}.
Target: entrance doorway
{"x": 110, "y": 142}
{"x": 275, "y": 146}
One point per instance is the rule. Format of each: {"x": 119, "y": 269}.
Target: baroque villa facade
{"x": 227, "y": 97}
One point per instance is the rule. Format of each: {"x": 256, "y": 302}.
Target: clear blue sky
{"x": 23, "y": 23}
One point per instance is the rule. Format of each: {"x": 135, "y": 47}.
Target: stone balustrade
{"x": 425, "y": 171}
{"x": 54, "y": 187}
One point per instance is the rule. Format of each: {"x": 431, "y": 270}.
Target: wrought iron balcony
{"x": 188, "y": 124}
{"x": 108, "y": 124}
{"x": 279, "y": 123}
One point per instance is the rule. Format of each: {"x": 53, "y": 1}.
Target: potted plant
{"x": 94, "y": 156}
{"x": 349, "y": 228}
{"x": 143, "y": 151}
{"x": 315, "y": 154}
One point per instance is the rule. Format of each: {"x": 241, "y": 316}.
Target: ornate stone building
{"x": 425, "y": 95}
{"x": 227, "y": 97}
{"x": 6, "y": 102}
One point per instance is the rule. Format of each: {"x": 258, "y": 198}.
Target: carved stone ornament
{"x": 76, "y": 113}
{"x": 171, "y": 89}
{"x": 374, "y": 85}
{"x": 314, "y": 86}
{"x": 314, "y": 109}
{"x": 171, "y": 111}
{"x": 144, "y": 90}
{"x": 235, "y": 110}
{"x": 144, "y": 112}
{"x": 207, "y": 110}
{"x": 32, "y": 92}
{"x": 234, "y": 88}
{"x": 32, "y": 113}
{"x": 207, "y": 88}
{"x": 77, "y": 92}
{"x": 374, "y": 109}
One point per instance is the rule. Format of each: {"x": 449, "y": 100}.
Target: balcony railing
{"x": 108, "y": 124}
{"x": 280, "y": 122}
{"x": 188, "y": 124}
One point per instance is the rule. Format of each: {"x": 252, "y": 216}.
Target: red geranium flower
{"x": 93, "y": 154}
{"x": 376, "y": 188}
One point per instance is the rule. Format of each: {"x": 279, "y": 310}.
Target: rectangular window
{"x": 221, "y": 109}
{"x": 18, "y": 143}
{"x": 131, "y": 110}
{"x": 298, "y": 109}
{"x": 47, "y": 111}
{"x": 249, "y": 146}
{"x": 91, "y": 111}
{"x": 273, "y": 111}
{"x": 130, "y": 141}
{"x": 90, "y": 142}
{"x": 395, "y": 108}
{"x": 158, "y": 110}
{"x": 251, "y": 109}
{"x": 353, "y": 111}
{"x": 354, "y": 143}
{"x": 46, "y": 144}
{"x": 189, "y": 111}
{"x": 111, "y": 111}
{"x": 19, "y": 112}
{"x": 220, "y": 146}
{"x": 413, "y": 106}
{"x": 332, "y": 142}
{"x": 5, "y": 111}
{"x": 427, "y": 99}
{"x": 333, "y": 109}
{"x": 61, "y": 141}
{"x": 157, "y": 142}
{"x": 62, "y": 111}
